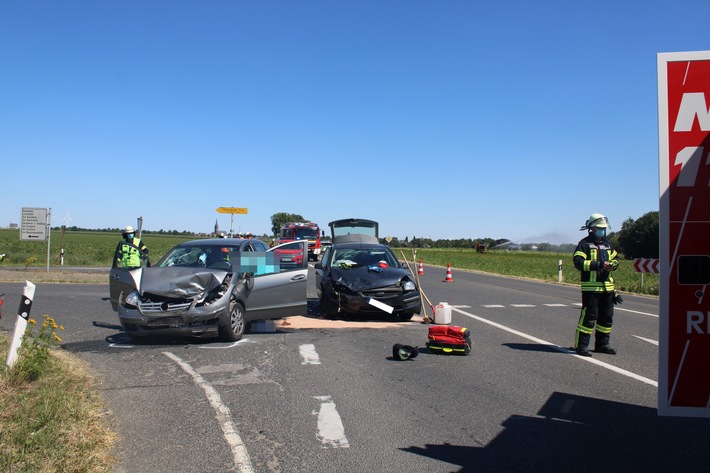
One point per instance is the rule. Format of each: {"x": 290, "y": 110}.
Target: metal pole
{"x": 49, "y": 234}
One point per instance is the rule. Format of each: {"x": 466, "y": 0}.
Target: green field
{"x": 97, "y": 249}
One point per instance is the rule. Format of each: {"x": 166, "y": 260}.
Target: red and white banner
{"x": 646, "y": 265}
{"x": 684, "y": 193}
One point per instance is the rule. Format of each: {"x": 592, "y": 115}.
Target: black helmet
{"x": 404, "y": 352}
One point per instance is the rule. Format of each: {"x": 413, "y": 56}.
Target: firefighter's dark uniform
{"x": 597, "y": 292}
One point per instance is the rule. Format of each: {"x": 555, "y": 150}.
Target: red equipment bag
{"x": 449, "y": 339}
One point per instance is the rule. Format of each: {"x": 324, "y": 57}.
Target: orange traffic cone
{"x": 449, "y": 277}
{"x": 421, "y": 268}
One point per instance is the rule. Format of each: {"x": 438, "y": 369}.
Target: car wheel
{"x": 404, "y": 316}
{"x": 236, "y": 324}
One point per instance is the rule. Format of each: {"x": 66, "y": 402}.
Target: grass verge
{"x": 53, "y": 418}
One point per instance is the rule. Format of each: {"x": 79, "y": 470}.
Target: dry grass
{"x": 57, "y": 422}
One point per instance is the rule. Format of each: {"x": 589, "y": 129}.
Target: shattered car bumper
{"x": 360, "y": 303}
{"x": 183, "y": 319}
{"x": 184, "y": 304}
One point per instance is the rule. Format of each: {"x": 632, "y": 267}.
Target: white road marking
{"x": 224, "y": 416}
{"x": 331, "y": 431}
{"x": 559, "y": 348}
{"x": 491, "y": 306}
{"x": 555, "y": 305}
{"x": 635, "y": 312}
{"x": 309, "y": 355}
{"x": 652, "y": 342}
{"x": 231, "y": 345}
{"x": 120, "y": 345}
{"x": 522, "y": 305}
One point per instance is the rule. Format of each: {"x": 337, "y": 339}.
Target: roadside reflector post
{"x": 559, "y": 271}
{"x": 23, "y": 315}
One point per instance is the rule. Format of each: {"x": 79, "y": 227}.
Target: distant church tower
{"x": 216, "y": 228}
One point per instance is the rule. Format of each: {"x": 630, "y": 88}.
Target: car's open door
{"x": 120, "y": 280}
{"x": 280, "y": 291}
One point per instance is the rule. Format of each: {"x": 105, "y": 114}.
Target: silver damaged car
{"x": 209, "y": 288}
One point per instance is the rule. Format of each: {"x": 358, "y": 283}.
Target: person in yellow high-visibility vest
{"x": 131, "y": 250}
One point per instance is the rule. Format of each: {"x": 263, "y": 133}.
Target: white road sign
{"x": 34, "y": 224}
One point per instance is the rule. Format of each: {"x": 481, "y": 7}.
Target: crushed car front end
{"x": 176, "y": 302}
{"x": 352, "y": 292}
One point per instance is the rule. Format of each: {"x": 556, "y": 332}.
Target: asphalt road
{"x": 333, "y": 399}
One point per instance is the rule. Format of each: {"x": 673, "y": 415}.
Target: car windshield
{"x": 197, "y": 256}
{"x": 358, "y": 257}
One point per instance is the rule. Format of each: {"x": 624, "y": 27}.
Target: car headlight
{"x": 409, "y": 286}
{"x": 132, "y": 299}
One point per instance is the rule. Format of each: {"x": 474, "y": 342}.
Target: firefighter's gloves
{"x": 617, "y": 298}
{"x": 612, "y": 265}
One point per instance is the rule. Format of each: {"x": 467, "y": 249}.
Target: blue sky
{"x": 448, "y": 119}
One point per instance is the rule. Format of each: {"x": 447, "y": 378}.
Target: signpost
{"x": 684, "y": 193}
{"x": 232, "y": 211}
{"x": 645, "y": 265}
{"x": 36, "y": 223}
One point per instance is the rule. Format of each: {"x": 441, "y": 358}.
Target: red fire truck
{"x": 303, "y": 231}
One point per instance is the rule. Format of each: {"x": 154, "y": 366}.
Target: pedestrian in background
{"x": 131, "y": 250}
{"x": 595, "y": 258}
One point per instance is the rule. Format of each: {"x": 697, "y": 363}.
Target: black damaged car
{"x": 358, "y": 276}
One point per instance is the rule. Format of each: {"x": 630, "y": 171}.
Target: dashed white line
{"x": 559, "y": 348}
{"x": 309, "y": 355}
{"x": 522, "y": 305}
{"x": 224, "y": 416}
{"x": 331, "y": 431}
{"x": 636, "y": 312}
{"x": 652, "y": 342}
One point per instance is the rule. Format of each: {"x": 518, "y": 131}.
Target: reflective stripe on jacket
{"x": 589, "y": 258}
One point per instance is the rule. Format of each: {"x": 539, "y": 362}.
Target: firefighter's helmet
{"x": 596, "y": 220}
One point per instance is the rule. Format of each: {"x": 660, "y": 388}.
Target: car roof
{"x": 358, "y": 245}
{"x": 236, "y": 242}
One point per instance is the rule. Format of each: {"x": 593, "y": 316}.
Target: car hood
{"x": 187, "y": 283}
{"x": 362, "y": 279}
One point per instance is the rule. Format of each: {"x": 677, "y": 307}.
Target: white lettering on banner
{"x": 694, "y": 320}
{"x": 692, "y": 105}
{"x": 689, "y": 159}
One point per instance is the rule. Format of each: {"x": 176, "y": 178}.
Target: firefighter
{"x": 595, "y": 258}
{"x": 130, "y": 250}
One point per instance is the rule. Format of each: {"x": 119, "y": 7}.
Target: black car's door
{"x": 276, "y": 292}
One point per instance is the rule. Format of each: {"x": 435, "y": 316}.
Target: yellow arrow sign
{"x": 231, "y": 210}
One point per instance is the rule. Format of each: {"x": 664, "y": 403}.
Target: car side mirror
{"x": 318, "y": 265}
